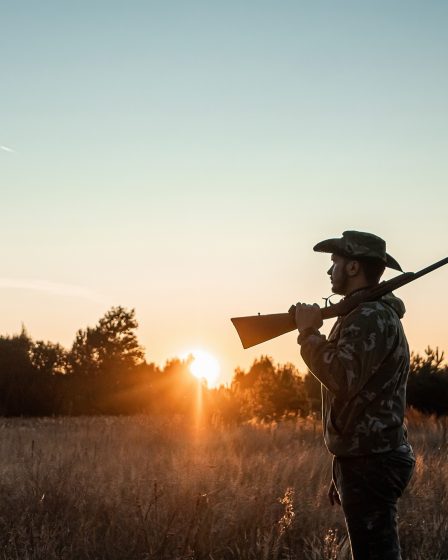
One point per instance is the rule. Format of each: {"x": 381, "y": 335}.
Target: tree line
{"x": 105, "y": 372}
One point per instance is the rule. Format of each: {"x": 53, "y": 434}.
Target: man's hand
{"x": 333, "y": 494}
{"x": 307, "y": 316}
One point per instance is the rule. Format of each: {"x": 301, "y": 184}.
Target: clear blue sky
{"x": 183, "y": 158}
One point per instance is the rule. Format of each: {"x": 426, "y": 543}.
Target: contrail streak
{"x": 7, "y": 149}
{"x": 55, "y": 288}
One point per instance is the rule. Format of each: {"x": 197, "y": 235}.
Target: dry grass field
{"x": 138, "y": 488}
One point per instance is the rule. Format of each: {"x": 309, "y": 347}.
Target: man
{"x": 363, "y": 368}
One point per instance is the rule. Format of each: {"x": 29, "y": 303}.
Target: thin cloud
{"x": 7, "y": 149}
{"x": 54, "y": 288}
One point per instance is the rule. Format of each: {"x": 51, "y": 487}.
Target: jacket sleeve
{"x": 345, "y": 365}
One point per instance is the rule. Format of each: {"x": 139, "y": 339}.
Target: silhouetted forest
{"x": 105, "y": 372}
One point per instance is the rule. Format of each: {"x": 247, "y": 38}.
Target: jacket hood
{"x": 394, "y": 302}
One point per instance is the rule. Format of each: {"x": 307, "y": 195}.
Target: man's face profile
{"x": 338, "y": 274}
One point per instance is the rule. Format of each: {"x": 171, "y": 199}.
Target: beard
{"x": 339, "y": 284}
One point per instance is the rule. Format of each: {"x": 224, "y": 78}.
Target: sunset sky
{"x": 182, "y": 158}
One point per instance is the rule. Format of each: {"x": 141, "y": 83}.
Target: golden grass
{"x": 138, "y": 488}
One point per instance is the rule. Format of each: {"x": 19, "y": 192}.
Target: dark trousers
{"x": 369, "y": 488}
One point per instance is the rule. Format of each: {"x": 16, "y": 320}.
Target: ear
{"x": 352, "y": 268}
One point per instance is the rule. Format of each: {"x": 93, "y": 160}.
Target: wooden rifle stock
{"x": 256, "y": 329}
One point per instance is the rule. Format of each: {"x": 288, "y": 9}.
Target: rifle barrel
{"x": 430, "y": 268}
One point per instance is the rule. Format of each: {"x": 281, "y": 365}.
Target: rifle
{"x": 256, "y": 329}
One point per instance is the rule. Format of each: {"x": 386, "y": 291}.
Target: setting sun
{"x": 205, "y": 366}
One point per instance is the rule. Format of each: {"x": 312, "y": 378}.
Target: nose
{"x": 330, "y": 270}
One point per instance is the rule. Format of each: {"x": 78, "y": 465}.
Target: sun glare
{"x": 205, "y": 366}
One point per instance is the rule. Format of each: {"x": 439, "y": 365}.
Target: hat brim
{"x": 336, "y": 246}
{"x": 392, "y": 263}
{"x": 329, "y": 246}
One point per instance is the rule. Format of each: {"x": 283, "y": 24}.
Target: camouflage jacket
{"x": 363, "y": 368}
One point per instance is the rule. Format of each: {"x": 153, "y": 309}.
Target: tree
{"x": 289, "y": 394}
{"x": 269, "y": 392}
{"x": 427, "y": 388}
{"x": 102, "y": 361}
{"x": 22, "y": 390}
{"x": 109, "y": 347}
{"x": 16, "y": 373}
{"x": 313, "y": 390}
{"x": 175, "y": 391}
{"x": 48, "y": 358}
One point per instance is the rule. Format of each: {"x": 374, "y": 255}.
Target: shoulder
{"x": 363, "y": 311}
{"x": 370, "y": 309}
{"x": 371, "y": 315}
